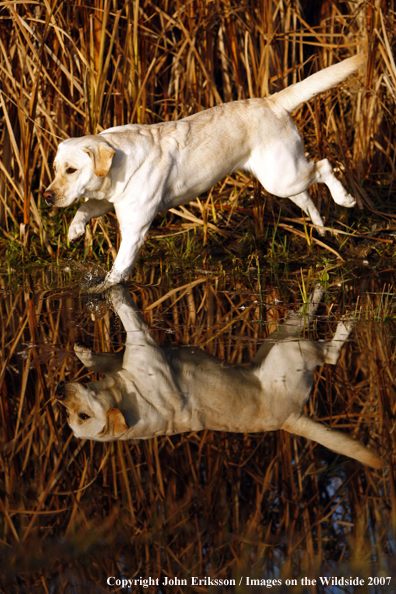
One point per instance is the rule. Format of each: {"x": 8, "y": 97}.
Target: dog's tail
{"x": 323, "y": 80}
{"x": 334, "y": 440}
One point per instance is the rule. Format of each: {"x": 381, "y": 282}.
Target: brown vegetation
{"x": 73, "y": 513}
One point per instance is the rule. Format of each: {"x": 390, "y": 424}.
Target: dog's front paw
{"x": 84, "y": 353}
{"x": 81, "y": 348}
{"x": 98, "y": 286}
{"x": 117, "y": 295}
{"x": 76, "y": 231}
{"x": 95, "y": 283}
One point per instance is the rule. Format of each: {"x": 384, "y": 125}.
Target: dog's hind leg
{"x": 333, "y": 348}
{"x": 325, "y": 174}
{"x": 292, "y": 327}
{"x": 304, "y": 201}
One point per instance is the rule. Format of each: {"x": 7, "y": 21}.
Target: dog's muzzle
{"x": 60, "y": 391}
{"x": 49, "y": 196}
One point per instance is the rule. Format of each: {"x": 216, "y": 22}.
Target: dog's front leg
{"x": 135, "y": 213}
{"x": 137, "y": 331}
{"x": 133, "y": 234}
{"x": 145, "y": 360}
{"x": 123, "y": 264}
{"x": 100, "y": 362}
{"x": 90, "y": 209}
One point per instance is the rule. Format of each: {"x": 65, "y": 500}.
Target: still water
{"x": 201, "y": 511}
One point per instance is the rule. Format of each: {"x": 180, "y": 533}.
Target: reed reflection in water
{"x": 203, "y": 503}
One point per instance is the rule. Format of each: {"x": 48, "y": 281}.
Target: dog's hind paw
{"x": 345, "y": 200}
{"x": 349, "y": 201}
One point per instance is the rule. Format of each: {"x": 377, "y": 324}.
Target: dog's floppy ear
{"x": 102, "y": 155}
{"x": 115, "y": 424}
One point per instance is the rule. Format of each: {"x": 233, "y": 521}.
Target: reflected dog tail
{"x": 334, "y": 440}
{"x": 319, "y": 82}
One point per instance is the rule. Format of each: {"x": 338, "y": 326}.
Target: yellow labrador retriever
{"x": 140, "y": 170}
{"x": 149, "y": 391}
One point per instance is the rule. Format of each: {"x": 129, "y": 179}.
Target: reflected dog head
{"x": 81, "y": 164}
{"x": 91, "y": 411}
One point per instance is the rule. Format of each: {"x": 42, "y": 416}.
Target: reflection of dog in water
{"x": 149, "y": 391}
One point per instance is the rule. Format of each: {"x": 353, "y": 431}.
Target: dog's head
{"x": 91, "y": 411}
{"x": 81, "y": 164}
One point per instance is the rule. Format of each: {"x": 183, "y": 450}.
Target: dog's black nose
{"x": 60, "y": 391}
{"x": 49, "y": 196}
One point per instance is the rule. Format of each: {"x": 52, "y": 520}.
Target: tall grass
{"x": 71, "y": 68}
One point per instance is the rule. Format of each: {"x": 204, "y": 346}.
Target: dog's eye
{"x": 83, "y": 416}
{"x": 70, "y": 170}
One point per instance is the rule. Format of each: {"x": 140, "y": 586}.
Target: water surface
{"x": 215, "y": 505}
